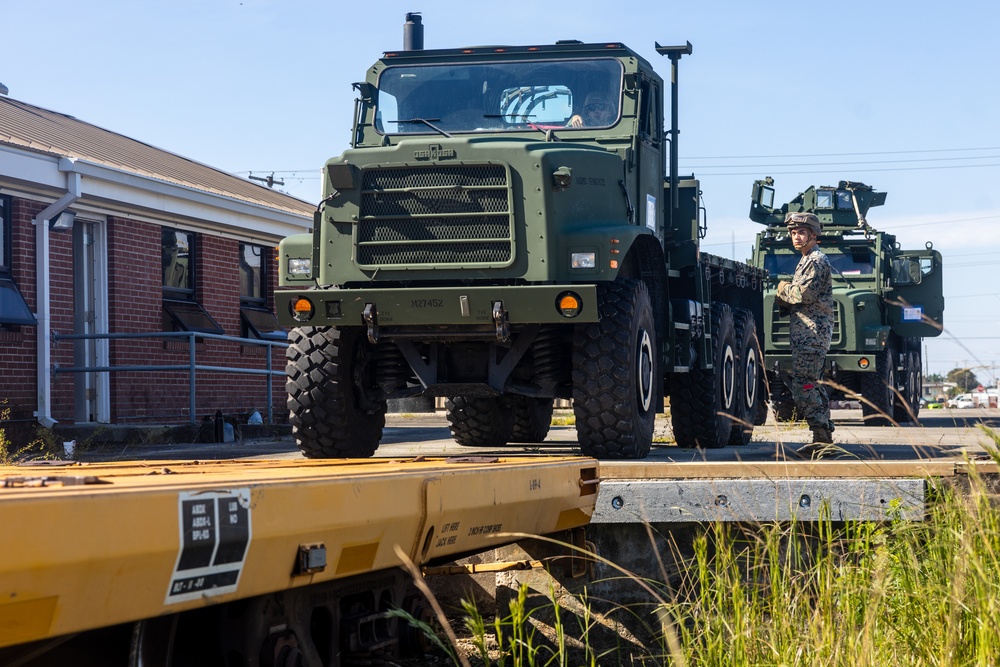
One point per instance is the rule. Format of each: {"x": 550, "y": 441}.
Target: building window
{"x": 178, "y": 263}
{"x": 181, "y": 312}
{"x": 258, "y": 321}
{"x": 14, "y": 310}
{"x": 253, "y": 274}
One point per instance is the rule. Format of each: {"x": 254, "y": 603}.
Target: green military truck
{"x": 483, "y": 241}
{"x": 886, "y": 300}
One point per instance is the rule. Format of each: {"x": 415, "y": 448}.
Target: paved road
{"x": 940, "y": 434}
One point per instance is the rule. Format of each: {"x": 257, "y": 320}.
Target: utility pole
{"x": 270, "y": 180}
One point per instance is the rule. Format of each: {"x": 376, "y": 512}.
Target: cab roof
{"x": 566, "y": 48}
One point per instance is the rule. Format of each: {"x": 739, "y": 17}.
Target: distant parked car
{"x": 962, "y": 401}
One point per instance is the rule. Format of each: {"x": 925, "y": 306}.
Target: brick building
{"x": 102, "y": 234}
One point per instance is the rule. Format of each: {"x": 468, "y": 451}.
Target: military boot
{"x": 822, "y": 435}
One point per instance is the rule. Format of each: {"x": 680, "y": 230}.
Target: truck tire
{"x": 615, "y": 362}
{"x": 878, "y": 389}
{"x": 760, "y": 414}
{"x": 328, "y": 418}
{"x": 748, "y": 378}
{"x": 532, "y": 419}
{"x": 703, "y": 402}
{"x": 480, "y": 421}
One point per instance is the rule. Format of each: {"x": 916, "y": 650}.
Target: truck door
{"x": 915, "y": 305}
{"x": 649, "y": 204}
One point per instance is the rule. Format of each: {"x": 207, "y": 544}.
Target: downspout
{"x": 42, "y": 267}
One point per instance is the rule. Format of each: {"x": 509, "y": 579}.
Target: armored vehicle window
{"x": 649, "y": 114}
{"x": 783, "y": 264}
{"x": 856, "y": 262}
{"x": 844, "y": 200}
{"x": 906, "y": 271}
{"x": 824, "y": 199}
{"x": 491, "y": 97}
{"x": 763, "y": 195}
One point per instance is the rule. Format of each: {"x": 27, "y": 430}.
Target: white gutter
{"x": 42, "y": 268}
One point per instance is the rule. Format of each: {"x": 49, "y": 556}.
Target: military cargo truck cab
{"x": 886, "y": 300}
{"x": 505, "y": 231}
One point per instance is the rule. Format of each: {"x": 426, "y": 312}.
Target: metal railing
{"x": 192, "y": 367}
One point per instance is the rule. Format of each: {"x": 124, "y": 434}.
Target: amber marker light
{"x": 569, "y": 304}
{"x": 863, "y": 362}
{"x": 302, "y": 309}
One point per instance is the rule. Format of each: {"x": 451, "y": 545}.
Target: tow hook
{"x": 370, "y": 317}
{"x": 500, "y": 321}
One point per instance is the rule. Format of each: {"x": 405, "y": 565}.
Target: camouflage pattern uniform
{"x": 809, "y": 297}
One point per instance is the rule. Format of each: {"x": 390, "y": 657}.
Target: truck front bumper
{"x": 473, "y": 307}
{"x": 857, "y": 363}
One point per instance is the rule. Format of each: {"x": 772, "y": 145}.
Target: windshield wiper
{"x": 427, "y": 122}
{"x": 522, "y": 119}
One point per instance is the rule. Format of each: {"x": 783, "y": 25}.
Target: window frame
{"x": 181, "y": 310}
{"x": 262, "y": 280}
{"x": 6, "y": 234}
{"x": 256, "y": 319}
{"x": 14, "y": 310}
{"x": 180, "y": 293}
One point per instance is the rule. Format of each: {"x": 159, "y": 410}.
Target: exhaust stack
{"x": 413, "y": 32}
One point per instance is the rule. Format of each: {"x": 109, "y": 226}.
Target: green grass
{"x": 896, "y": 594}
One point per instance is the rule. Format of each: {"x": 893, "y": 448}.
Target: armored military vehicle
{"x": 887, "y": 300}
{"x": 485, "y": 240}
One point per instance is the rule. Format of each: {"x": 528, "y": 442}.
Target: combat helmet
{"x": 803, "y": 219}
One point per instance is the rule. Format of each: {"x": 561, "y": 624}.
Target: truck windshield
{"x": 856, "y": 262}
{"x": 492, "y": 97}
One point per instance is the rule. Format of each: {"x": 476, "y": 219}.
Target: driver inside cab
{"x": 597, "y": 112}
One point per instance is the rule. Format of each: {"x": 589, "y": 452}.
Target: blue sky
{"x": 900, "y": 95}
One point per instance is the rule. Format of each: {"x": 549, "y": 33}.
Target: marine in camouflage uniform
{"x": 809, "y": 298}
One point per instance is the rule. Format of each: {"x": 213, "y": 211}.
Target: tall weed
{"x": 893, "y": 594}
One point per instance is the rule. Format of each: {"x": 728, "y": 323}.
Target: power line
{"x": 904, "y": 225}
{"x": 863, "y": 170}
{"x": 969, "y": 296}
{"x": 835, "y": 164}
{"x": 313, "y": 173}
{"x": 768, "y": 157}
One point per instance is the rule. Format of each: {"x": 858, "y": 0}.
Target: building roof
{"x": 26, "y": 126}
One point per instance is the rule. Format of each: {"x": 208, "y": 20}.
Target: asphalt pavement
{"x": 945, "y": 433}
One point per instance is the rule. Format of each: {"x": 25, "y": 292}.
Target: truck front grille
{"x": 780, "y": 333}
{"x": 434, "y": 216}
